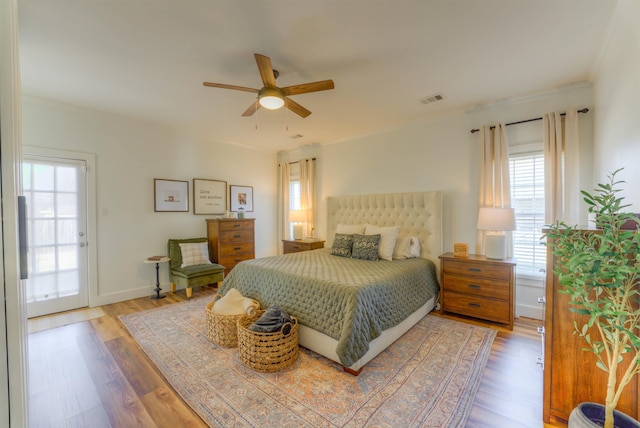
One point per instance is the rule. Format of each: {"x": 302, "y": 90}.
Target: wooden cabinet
{"x": 231, "y": 241}
{"x": 570, "y": 374}
{"x": 295, "y": 246}
{"x": 478, "y": 287}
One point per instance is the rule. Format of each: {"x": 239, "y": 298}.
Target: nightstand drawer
{"x": 485, "y": 270}
{"x": 478, "y": 307}
{"x": 298, "y": 246}
{"x": 477, "y": 286}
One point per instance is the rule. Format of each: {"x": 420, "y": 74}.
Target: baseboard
{"x": 121, "y": 296}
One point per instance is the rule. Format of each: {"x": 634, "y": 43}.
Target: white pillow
{"x": 414, "y": 248}
{"x": 194, "y": 253}
{"x": 388, "y": 237}
{"x": 350, "y": 229}
{"x": 402, "y": 249}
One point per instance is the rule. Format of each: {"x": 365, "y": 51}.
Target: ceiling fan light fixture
{"x": 271, "y": 98}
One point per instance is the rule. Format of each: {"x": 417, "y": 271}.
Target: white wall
{"x": 129, "y": 155}
{"x": 617, "y": 94}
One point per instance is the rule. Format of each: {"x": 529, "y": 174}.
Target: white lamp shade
{"x": 499, "y": 219}
{"x": 298, "y": 216}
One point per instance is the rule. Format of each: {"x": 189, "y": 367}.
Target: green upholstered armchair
{"x": 191, "y": 276}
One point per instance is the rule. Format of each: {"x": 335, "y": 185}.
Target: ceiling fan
{"x": 271, "y": 96}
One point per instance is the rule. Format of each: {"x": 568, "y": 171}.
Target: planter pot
{"x": 591, "y": 415}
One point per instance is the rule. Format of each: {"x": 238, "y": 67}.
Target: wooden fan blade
{"x": 304, "y": 88}
{"x": 252, "y": 108}
{"x": 237, "y": 88}
{"x": 296, "y": 108}
{"x": 266, "y": 70}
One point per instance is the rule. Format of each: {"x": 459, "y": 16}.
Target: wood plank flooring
{"x": 93, "y": 374}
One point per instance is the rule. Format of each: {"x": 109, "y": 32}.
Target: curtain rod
{"x": 290, "y": 163}
{"x": 584, "y": 110}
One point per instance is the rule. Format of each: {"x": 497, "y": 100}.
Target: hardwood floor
{"x": 93, "y": 374}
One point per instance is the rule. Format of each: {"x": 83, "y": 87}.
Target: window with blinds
{"x": 527, "y": 197}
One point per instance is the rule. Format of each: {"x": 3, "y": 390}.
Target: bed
{"x": 351, "y": 310}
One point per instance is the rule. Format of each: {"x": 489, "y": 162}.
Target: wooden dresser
{"x": 570, "y": 374}
{"x": 295, "y": 246}
{"x": 231, "y": 241}
{"x": 478, "y": 287}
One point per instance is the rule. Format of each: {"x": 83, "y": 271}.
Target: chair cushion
{"x": 198, "y": 270}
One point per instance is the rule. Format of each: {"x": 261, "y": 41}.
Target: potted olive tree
{"x": 600, "y": 272}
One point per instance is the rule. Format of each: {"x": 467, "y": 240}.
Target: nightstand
{"x": 295, "y": 246}
{"x": 478, "y": 287}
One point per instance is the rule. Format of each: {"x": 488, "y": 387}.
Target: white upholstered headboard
{"x": 417, "y": 213}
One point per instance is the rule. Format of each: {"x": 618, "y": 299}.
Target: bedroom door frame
{"x": 88, "y": 241}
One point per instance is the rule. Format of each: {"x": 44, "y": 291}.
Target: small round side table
{"x": 157, "y": 261}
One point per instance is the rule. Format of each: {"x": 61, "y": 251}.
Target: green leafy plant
{"x": 600, "y": 270}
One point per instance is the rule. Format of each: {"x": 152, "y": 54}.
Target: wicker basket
{"x": 267, "y": 352}
{"x": 222, "y": 329}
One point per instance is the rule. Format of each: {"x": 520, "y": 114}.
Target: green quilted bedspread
{"x": 350, "y": 300}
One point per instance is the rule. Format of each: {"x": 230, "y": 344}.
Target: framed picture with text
{"x": 209, "y": 196}
{"x": 241, "y": 197}
{"x": 170, "y": 195}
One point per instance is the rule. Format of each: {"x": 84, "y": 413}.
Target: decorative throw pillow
{"x": 365, "y": 247}
{"x": 342, "y": 245}
{"x": 350, "y": 229}
{"x": 388, "y": 237}
{"x": 196, "y": 253}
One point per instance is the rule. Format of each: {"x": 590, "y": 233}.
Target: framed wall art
{"x": 241, "y": 197}
{"x": 170, "y": 195}
{"x": 209, "y": 196}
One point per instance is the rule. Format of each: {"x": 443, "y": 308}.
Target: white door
{"x": 55, "y": 190}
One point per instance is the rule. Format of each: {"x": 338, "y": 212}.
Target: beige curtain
{"x": 494, "y": 187}
{"x": 308, "y": 192}
{"x": 283, "y": 202}
{"x": 562, "y": 167}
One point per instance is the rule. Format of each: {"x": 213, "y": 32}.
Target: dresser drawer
{"x": 237, "y": 248}
{"x": 230, "y": 260}
{"x": 236, "y": 236}
{"x": 478, "y": 307}
{"x": 485, "y": 270}
{"x": 477, "y": 286}
{"x": 236, "y": 225}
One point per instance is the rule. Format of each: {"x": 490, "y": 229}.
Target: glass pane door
{"x": 56, "y": 217}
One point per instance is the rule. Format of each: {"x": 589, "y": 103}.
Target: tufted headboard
{"x": 417, "y": 213}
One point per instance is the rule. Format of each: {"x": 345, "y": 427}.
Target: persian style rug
{"x": 427, "y": 378}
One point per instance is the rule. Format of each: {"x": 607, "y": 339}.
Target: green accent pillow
{"x": 342, "y": 244}
{"x": 365, "y": 247}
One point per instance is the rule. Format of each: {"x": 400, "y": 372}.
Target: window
{"x": 294, "y": 191}
{"x": 527, "y": 197}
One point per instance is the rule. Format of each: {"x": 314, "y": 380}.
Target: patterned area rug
{"x": 427, "y": 378}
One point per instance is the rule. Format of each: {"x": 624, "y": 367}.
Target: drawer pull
{"x": 474, "y": 286}
{"x": 237, "y": 260}
{"x": 295, "y": 247}
{"x": 237, "y": 248}
{"x": 237, "y": 236}
{"x": 236, "y": 225}
{"x": 475, "y": 270}
{"x": 473, "y": 305}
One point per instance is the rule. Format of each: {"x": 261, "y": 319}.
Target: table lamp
{"x": 297, "y": 217}
{"x": 496, "y": 221}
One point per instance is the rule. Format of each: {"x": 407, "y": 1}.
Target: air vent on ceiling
{"x": 431, "y": 99}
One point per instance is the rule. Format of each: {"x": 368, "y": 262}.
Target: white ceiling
{"x": 148, "y": 59}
